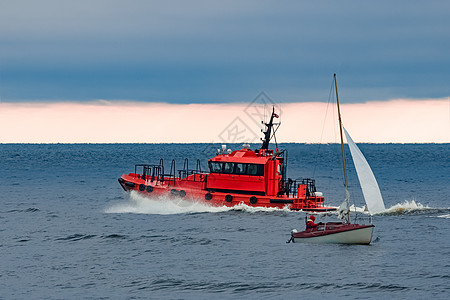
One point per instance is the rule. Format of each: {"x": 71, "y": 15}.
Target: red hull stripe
{"x": 285, "y": 201}
{"x": 237, "y": 192}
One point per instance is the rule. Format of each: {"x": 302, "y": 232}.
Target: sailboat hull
{"x": 336, "y": 233}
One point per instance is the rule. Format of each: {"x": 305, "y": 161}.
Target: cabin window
{"x": 236, "y": 168}
{"x": 228, "y": 168}
{"x": 240, "y": 168}
{"x": 215, "y": 167}
{"x": 253, "y": 169}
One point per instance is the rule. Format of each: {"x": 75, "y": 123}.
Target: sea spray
{"x": 414, "y": 208}
{"x": 406, "y": 207}
{"x": 166, "y": 205}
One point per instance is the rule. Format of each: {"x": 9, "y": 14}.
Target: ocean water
{"x": 68, "y": 230}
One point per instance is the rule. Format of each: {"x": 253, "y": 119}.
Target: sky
{"x": 175, "y": 55}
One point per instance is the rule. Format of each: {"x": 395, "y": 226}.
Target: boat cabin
{"x": 259, "y": 172}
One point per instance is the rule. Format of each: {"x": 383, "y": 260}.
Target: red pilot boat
{"x": 252, "y": 177}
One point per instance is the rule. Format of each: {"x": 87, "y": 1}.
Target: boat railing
{"x": 265, "y": 152}
{"x": 171, "y": 177}
{"x": 310, "y": 186}
{"x": 308, "y": 193}
{"x": 191, "y": 175}
{"x": 362, "y": 219}
{"x": 155, "y": 172}
{"x": 291, "y": 186}
{"x": 149, "y": 172}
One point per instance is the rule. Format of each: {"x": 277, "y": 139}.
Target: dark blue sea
{"x": 69, "y": 231}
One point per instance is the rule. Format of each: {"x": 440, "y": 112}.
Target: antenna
{"x": 268, "y": 132}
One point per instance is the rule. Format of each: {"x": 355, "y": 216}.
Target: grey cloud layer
{"x": 212, "y": 51}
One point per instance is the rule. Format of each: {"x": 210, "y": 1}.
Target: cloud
{"x": 175, "y": 51}
{"x": 395, "y": 121}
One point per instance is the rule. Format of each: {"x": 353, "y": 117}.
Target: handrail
{"x": 172, "y": 173}
{"x": 185, "y": 168}
{"x": 198, "y": 168}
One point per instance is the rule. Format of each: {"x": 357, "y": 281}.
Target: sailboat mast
{"x": 340, "y": 130}
{"x": 342, "y": 144}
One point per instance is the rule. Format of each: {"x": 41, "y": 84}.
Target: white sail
{"x": 367, "y": 180}
{"x": 344, "y": 208}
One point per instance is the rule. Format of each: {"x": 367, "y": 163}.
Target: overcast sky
{"x": 223, "y": 51}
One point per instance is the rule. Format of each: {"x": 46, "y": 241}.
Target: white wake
{"x": 166, "y": 205}
{"x": 447, "y": 216}
{"x": 397, "y": 209}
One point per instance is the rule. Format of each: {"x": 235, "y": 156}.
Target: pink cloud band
{"x": 394, "y": 121}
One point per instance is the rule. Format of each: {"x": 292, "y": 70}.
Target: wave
{"x": 397, "y": 209}
{"x": 31, "y": 209}
{"x": 406, "y": 208}
{"x": 412, "y": 208}
{"x": 76, "y": 237}
{"x": 447, "y": 216}
{"x": 165, "y": 205}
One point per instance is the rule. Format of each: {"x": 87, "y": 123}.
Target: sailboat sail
{"x": 344, "y": 209}
{"x": 367, "y": 180}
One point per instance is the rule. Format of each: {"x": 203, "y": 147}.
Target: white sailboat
{"x": 346, "y": 232}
